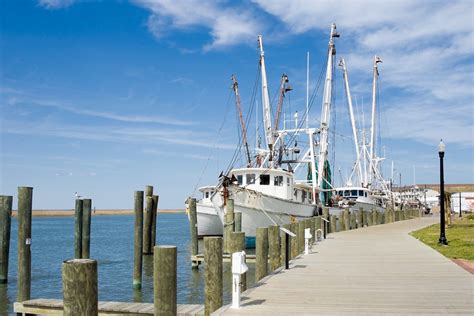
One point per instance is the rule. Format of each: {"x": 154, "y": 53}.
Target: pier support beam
{"x": 156, "y": 198}
{"x": 213, "y": 274}
{"x": 164, "y": 280}
{"x": 78, "y": 228}
{"x": 138, "y": 240}
{"x": 261, "y": 253}
{"x": 237, "y": 221}
{"x": 5, "y": 229}
{"x": 228, "y": 223}
{"x": 274, "y": 247}
{"x": 25, "y": 201}
{"x": 86, "y": 229}
{"x": 333, "y": 223}
{"x": 193, "y": 229}
{"x": 301, "y": 227}
{"x": 148, "y": 224}
{"x": 80, "y": 295}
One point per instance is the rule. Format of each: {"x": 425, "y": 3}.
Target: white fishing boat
{"x": 208, "y": 221}
{"x": 370, "y": 190}
{"x": 267, "y": 190}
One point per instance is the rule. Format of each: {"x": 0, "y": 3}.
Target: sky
{"x": 105, "y": 97}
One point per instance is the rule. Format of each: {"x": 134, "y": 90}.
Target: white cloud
{"x": 427, "y": 50}
{"x": 227, "y": 25}
{"x": 55, "y": 4}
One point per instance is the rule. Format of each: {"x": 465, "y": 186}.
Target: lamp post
{"x": 442, "y": 235}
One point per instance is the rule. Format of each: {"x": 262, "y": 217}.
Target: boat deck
{"x": 376, "y": 270}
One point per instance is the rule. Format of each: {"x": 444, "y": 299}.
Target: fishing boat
{"x": 365, "y": 189}
{"x": 279, "y": 183}
{"x": 208, "y": 221}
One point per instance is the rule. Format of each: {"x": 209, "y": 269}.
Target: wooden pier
{"x": 376, "y": 270}
{"x": 55, "y": 307}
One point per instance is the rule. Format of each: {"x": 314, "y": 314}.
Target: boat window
{"x": 251, "y": 178}
{"x": 288, "y": 181}
{"x": 278, "y": 181}
{"x": 346, "y": 192}
{"x": 339, "y": 193}
{"x": 303, "y": 196}
{"x": 295, "y": 193}
{"x": 365, "y": 194}
{"x": 354, "y": 193}
{"x": 361, "y": 193}
{"x": 207, "y": 195}
{"x": 264, "y": 179}
{"x": 310, "y": 196}
{"x": 239, "y": 179}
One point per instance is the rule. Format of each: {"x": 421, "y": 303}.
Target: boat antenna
{"x": 372, "y": 126}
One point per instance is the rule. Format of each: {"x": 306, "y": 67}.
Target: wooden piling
{"x": 164, "y": 280}
{"x": 301, "y": 226}
{"x": 138, "y": 240}
{"x": 261, "y": 253}
{"x": 347, "y": 219}
{"x": 318, "y": 224}
{"x": 294, "y": 240}
{"x": 375, "y": 217}
{"x": 333, "y": 224}
{"x": 370, "y": 218}
{"x": 5, "y": 229}
{"x": 86, "y": 229}
{"x": 237, "y": 244}
{"x": 353, "y": 220}
{"x": 79, "y": 208}
{"x": 312, "y": 226}
{"x": 360, "y": 218}
{"x": 193, "y": 227}
{"x": 237, "y": 221}
{"x": 25, "y": 201}
{"x": 213, "y": 249}
{"x": 274, "y": 247}
{"x": 147, "y": 225}
{"x": 228, "y": 223}
{"x": 155, "y": 216}
{"x": 283, "y": 245}
{"x": 80, "y": 295}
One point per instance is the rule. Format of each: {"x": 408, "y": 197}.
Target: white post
{"x": 307, "y": 237}
{"x": 238, "y": 267}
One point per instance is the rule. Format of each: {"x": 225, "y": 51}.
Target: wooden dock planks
{"x": 55, "y": 307}
{"x": 377, "y": 270}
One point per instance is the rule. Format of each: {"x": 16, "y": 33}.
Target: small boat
{"x": 208, "y": 221}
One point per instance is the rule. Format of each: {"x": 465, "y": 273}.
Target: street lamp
{"x": 442, "y": 235}
{"x": 460, "y": 205}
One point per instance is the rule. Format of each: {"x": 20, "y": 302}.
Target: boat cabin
{"x": 207, "y": 192}
{"x": 275, "y": 182}
{"x": 352, "y": 193}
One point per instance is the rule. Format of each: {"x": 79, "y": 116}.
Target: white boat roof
{"x": 206, "y": 188}
{"x": 351, "y": 188}
{"x": 262, "y": 170}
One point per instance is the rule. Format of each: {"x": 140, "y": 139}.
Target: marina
{"x": 236, "y": 158}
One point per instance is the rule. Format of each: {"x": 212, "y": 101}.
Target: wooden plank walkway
{"x": 55, "y": 307}
{"x": 378, "y": 270}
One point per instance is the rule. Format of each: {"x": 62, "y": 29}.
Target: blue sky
{"x": 105, "y": 97}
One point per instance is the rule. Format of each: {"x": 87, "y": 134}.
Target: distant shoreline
{"x": 54, "y": 213}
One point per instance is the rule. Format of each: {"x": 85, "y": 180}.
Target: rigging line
{"x": 315, "y": 90}
{"x": 211, "y": 151}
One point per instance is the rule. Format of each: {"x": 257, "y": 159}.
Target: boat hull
{"x": 261, "y": 210}
{"x": 208, "y": 221}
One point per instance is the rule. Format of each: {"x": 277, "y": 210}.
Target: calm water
{"x": 112, "y": 247}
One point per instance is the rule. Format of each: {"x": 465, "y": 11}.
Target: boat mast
{"x": 372, "y": 127}
{"x": 342, "y": 63}
{"x": 235, "y": 87}
{"x": 265, "y": 100}
{"x": 284, "y": 88}
{"x": 325, "y": 114}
